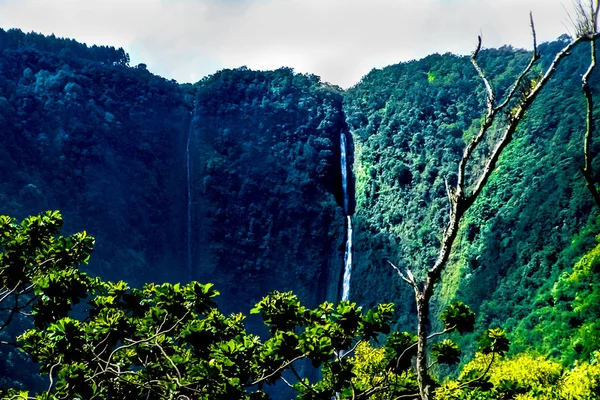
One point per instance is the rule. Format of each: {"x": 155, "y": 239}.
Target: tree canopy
{"x": 96, "y": 339}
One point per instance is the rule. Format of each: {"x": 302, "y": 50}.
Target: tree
{"x": 38, "y": 270}
{"x": 170, "y": 341}
{"x": 160, "y": 341}
{"x": 502, "y": 115}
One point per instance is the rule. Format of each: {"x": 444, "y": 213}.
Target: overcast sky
{"x": 340, "y": 40}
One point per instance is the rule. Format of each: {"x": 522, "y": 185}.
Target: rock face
{"x": 107, "y": 144}
{"x": 266, "y": 178}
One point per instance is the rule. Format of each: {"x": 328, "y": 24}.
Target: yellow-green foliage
{"x": 370, "y": 366}
{"x": 369, "y": 363}
{"x": 527, "y": 371}
{"x": 585, "y": 267}
{"x": 520, "y": 377}
{"x": 431, "y": 76}
{"x": 525, "y": 377}
{"x": 582, "y": 382}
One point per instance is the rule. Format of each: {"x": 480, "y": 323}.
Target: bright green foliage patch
{"x": 523, "y": 377}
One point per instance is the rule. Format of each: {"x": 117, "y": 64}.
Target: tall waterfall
{"x": 347, "y": 261}
{"x": 344, "y": 165}
{"x": 348, "y": 251}
{"x": 189, "y": 194}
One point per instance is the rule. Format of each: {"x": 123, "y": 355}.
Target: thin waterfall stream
{"x": 347, "y": 260}
{"x": 348, "y": 251}
{"x": 189, "y": 193}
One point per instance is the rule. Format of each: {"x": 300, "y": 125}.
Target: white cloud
{"x": 340, "y": 40}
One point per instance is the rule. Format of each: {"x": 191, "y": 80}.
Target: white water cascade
{"x": 348, "y": 251}
{"x": 189, "y": 195}
{"x": 347, "y": 261}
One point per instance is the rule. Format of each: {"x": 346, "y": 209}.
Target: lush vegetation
{"x": 84, "y": 132}
{"x": 170, "y": 340}
{"x": 533, "y": 220}
{"x": 564, "y": 323}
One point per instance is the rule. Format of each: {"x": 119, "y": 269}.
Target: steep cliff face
{"x": 266, "y": 176}
{"x": 251, "y": 202}
{"x": 103, "y": 143}
{"x": 106, "y": 144}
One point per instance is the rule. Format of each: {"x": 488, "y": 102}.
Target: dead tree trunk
{"x": 586, "y": 27}
{"x": 422, "y": 333}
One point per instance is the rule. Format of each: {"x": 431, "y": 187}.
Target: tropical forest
{"x": 430, "y": 233}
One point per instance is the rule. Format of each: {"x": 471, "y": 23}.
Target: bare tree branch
{"x": 483, "y": 374}
{"x": 488, "y": 86}
{"x": 590, "y": 21}
{"x": 151, "y": 338}
{"x": 584, "y": 21}
{"x": 345, "y": 353}
{"x": 51, "y": 378}
{"x": 7, "y": 292}
{"x": 587, "y": 170}
{"x": 281, "y": 368}
{"x": 297, "y": 375}
{"x": 402, "y": 276}
{"x": 534, "y": 57}
{"x": 518, "y": 116}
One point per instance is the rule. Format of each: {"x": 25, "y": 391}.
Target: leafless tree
{"x": 506, "y": 114}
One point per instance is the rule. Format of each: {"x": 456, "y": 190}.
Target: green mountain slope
{"x": 410, "y": 123}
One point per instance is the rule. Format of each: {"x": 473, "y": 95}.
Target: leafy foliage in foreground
{"x": 170, "y": 340}
{"x": 162, "y": 340}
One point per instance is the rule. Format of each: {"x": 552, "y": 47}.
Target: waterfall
{"x": 347, "y": 261}
{"x": 189, "y": 195}
{"x": 344, "y": 165}
{"x": 348, "y": 251}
